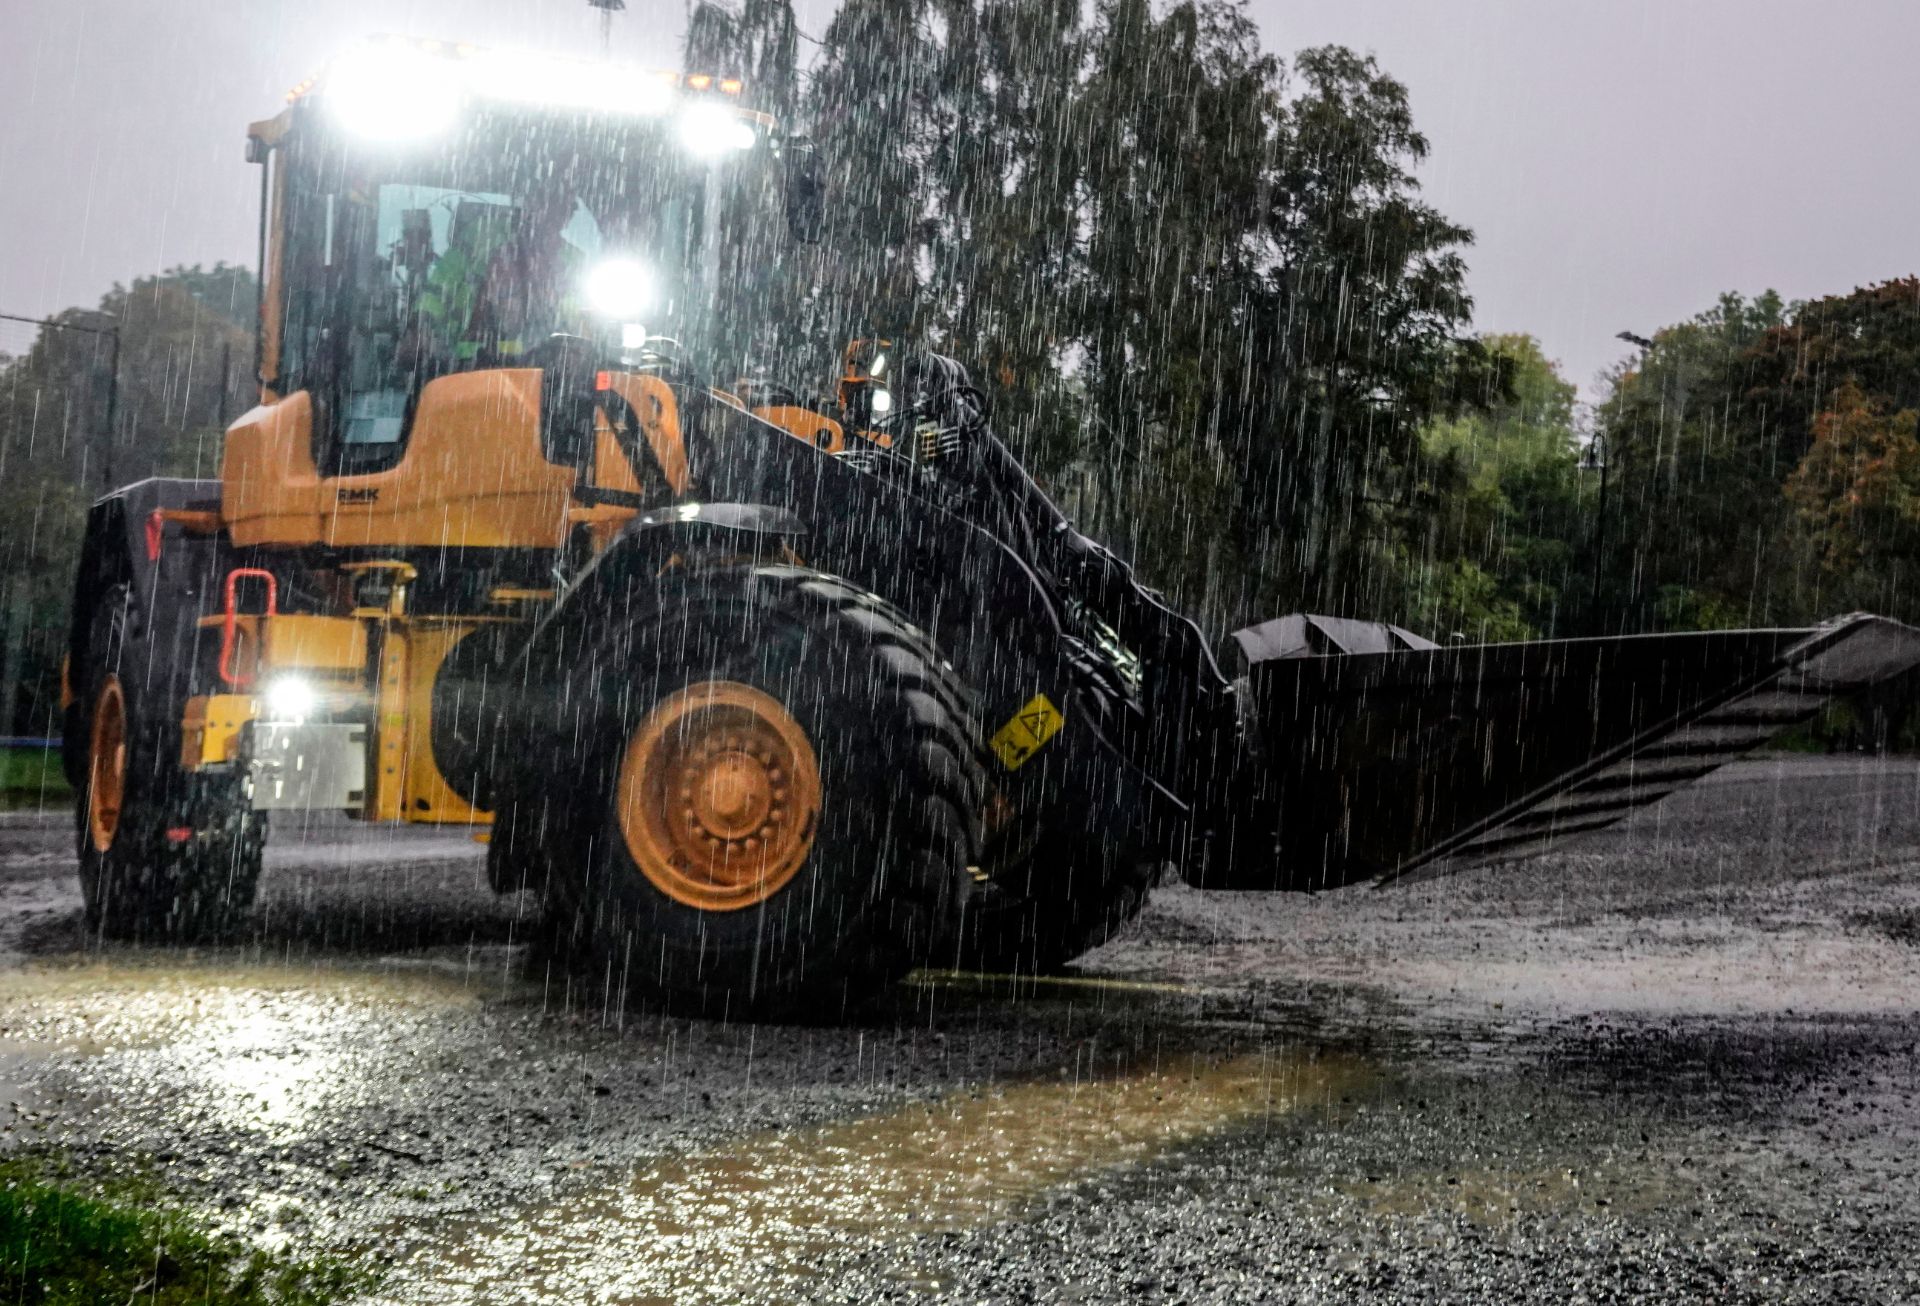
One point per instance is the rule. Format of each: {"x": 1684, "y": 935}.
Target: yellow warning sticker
{"x": 1032, "y": 726}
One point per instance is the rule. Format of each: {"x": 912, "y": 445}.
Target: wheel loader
{"x": 770, "y": 697}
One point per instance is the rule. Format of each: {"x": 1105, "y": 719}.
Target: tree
{"x": 1857, "y": 493}
{"x": 1211, "y": 312}
{"x": 875, "y": 104}
{"x": 1507, "y": 518}
{"x": 1698, "y": 533}
{"x": 1732, "y": 442}
{"x": 186, "y": 351}
{"x": 1178, "y": 124}
{"x": 1357, "y": 338}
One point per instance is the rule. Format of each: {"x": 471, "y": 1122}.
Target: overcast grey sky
{"x": 1621, "y": 161}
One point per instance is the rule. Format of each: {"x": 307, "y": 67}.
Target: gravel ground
{"x": 1676, "y": 1064}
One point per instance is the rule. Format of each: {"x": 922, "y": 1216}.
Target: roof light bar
{"x": 534, "y": 77}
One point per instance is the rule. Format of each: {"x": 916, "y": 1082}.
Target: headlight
{"x": 619, "y": 288}
{"x": 290, "y": 699}
{"x": 393, "y": 94}
{"x": 709, "y": 130}
{"x": 882, "y": 402}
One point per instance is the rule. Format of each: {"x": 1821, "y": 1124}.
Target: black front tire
{"x": 884, "y": 883}
{"x": 182, "y": 861}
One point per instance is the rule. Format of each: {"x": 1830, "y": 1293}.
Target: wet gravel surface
{"x": 1677, "y": 1063}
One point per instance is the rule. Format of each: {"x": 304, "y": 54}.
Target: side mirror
{"x": 569, "y": 367}
{"x": 806, "y": 192}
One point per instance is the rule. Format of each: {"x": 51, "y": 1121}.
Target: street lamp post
{"x": 1603, "y": 456}
{"x": 112, "y": 333}
{"x": 1599, "y": 455}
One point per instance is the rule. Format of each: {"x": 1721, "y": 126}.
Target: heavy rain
{"x": 985, "y": 651}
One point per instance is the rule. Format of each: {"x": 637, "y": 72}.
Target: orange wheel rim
{"x": 718, "y": 796}
{"x": 107, "y": 765}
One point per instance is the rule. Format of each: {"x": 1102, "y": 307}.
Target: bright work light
{"x": 619, "y": 288}
{"x": 290, "y": 699}
{"x": 391, "y": 93}
{"x": 709, "y": 129}
{"x": 532, "y": 78}
{"x": 394, "y": 89}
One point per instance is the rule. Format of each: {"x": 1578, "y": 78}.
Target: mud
{"x": 1679, "y": 1063}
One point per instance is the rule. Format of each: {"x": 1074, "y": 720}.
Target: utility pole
{"x": 112, "y": 334}
{"x": 1602, "y": 455}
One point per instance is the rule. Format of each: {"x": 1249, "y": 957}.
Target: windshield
{"x": 404, "y": 266}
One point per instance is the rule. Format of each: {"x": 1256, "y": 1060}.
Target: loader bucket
{"x": 1414, "y": 760}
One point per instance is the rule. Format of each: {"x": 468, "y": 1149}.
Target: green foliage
{"x": 1765, "y": 464}
{"x": 1696, "y": 474}
{"x": 177, "y": 332}
{"x": 1507, "y": 512}
{"x": 62, "y": 1247}
{"x": 1188, "y": 279}
{"x": 1857, "y": 490}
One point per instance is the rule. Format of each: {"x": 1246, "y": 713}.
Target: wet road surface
{"x": 1679, "y": 1063}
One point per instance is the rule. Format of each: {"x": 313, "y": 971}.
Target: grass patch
{"x": 32, "y": 773}
{"x": 65, "y": 1243}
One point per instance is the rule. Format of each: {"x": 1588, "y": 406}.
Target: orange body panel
{"x": 817, "y": 429}
{"x": 472, "y": 475}
{"x": 423, "y": 793}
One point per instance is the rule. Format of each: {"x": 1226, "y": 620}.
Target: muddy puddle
{"x": 754, "y": 1216}
{"x": 261, "y": 1049}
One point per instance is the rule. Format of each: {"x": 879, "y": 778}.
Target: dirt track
{"x": 1679, "y": 1064}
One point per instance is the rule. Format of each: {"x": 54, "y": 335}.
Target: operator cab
{"x": 434, "y": 216}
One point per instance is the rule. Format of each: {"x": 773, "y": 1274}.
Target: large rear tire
{"x": 772, "y": 798}
{"x": 165, "y": 854}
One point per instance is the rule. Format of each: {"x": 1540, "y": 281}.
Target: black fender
{"x": 167, "y": 575}
{"x": 490, "y": 688}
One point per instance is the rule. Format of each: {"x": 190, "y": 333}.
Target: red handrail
{"x": 234, "y": 577}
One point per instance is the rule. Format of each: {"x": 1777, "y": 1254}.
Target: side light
{"x": 882, "y": 402}
{"x": 290, "y": 699}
